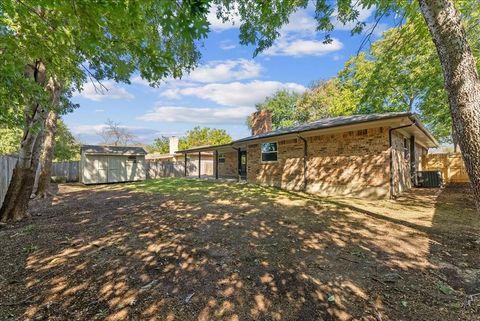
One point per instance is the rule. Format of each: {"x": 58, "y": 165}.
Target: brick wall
{"x": 352, "y": 163}
{"x": 230, "y": 167}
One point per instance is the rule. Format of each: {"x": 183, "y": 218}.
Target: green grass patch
{"x": 197, "y": 190}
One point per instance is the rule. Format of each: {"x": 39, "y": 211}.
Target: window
{"x": 405, "y": 148}
{"x": 132, "y": 159}
{"x": 221, "y": 158}
{"x": 269, "y": 152}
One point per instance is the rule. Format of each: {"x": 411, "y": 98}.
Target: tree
{"x": 261, "y": 21}
{"x": 160, "y": 145}
{"x": 202, "y": 136}
{"x": 283, "y": 105}
{"x": 115, "y": 134}
{"x": 402, "y": 72}
{"x": 10, "y": 141}
{"x": 67, "y": 147}
{"x": 48, "y": 43}
{"x": 325, "y": 99}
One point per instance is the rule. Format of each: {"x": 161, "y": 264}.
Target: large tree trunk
{"x": 15, "y": 205}
{"x": 49, "y": 144}
{"x": 461, "y": 81}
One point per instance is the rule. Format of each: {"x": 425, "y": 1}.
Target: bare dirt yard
{"x": 178, "y": 249}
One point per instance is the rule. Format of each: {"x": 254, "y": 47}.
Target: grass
{"x": 197, "y": 191}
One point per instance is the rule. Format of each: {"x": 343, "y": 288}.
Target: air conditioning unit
{"x": 429, "y": 179}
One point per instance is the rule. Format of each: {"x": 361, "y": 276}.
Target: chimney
{"x": 261, "y": 122}
{"x": 173, "y": 146}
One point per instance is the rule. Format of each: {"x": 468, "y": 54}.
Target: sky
{"x": 223, "y": 90}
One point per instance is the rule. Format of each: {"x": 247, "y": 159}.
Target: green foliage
{"x": 67, "y": 147}
{"x": 79, "y": 41}
{"x": 160, "y": 145}
{"x": 10, "y": 142}
{"x": 326, "y": 99}
{"x": 323, "y": 99}
{"x": 402, "y": 72}
{"x": 283, "y": 105}
{"x": 201, "y": 136}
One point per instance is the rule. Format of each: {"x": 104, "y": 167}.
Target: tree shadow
{"x": 177, "y": 249}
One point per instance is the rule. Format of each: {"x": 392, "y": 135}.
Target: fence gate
{"x": 451, "y": 166}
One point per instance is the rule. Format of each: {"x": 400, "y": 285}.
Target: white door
{"x": 116, "y": 169}
{"x": 101, "y": 164}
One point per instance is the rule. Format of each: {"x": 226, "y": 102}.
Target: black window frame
{"x": 221, "y": 158}
{"x": 269, "y": 153}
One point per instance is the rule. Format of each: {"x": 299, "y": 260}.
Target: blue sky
{"x": 226, "y": 85}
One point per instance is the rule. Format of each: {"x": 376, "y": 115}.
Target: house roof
{"x": 329, "y": 123}
{"x": 112, "y": 150}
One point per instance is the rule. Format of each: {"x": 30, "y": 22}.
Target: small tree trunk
{"x": 49, "y": 143}
{"x": 15, "y": 205}
{"x": 461, "y": 81}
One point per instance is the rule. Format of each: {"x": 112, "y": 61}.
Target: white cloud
{"x": 303, "y": 47}
{"x": 171, "y": 114}
{"x": 235, "y": 93}
{"x": 226, "y": 70}
{"x": 300, "y": 22}
{"x": 87, "y": 129}
{"x": 99, "y": 110}
{"x": 218, "y": 25}
{"x": 227, "y": 45}
{"x": 113, "y": 92}
{"x": 213, "y": 71}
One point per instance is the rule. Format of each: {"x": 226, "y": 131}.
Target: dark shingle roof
{"x": 115, "y": 150}
{"x": 327, "y": 123}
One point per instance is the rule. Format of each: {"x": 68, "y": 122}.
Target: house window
{"x": 132, "y": 159}
{"x": 221, "y": 158}
{"x": 405, "y": 148}
{"x": 269, "y": 152}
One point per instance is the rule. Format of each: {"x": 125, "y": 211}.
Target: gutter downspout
{"x": 238, "y": 163}
{"x": 305, "y": 167}
{"x": 390, "y": 131}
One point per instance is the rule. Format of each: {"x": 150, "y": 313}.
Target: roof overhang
{"x": 423, "y": 136}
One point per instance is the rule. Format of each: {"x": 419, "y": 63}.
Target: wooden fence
{"x": 169, "y": 168}
{"x": 451, "y": 166}
{"x": 67, "y": 170}
{"x": 7, "y": 164}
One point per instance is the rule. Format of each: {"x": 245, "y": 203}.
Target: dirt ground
{"x": 177, "y": 249}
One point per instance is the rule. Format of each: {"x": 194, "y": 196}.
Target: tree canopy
{"x": 67, "y": 147}
{"x": 160, "y": 145}
{"x": 201, "y": 136}
{"x": 79, "y": 41}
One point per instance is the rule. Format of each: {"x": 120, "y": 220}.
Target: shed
{"x": 111, "y": 164}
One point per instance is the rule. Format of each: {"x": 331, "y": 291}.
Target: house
{"x": 174, "y": 156}
{"x": 373, "y": 156}
{"x": 111, "y": 164}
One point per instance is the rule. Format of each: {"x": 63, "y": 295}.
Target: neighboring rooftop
{"x": 112, "y": 150}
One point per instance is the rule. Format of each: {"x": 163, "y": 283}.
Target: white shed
{"x": 111, "y": 164}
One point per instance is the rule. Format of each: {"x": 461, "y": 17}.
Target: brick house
{"x": 373, "y": 156}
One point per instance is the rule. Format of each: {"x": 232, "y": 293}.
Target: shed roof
{"x": 112, "y": 150}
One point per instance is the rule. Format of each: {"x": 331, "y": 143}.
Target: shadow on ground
{"x": 177, "y": 249}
